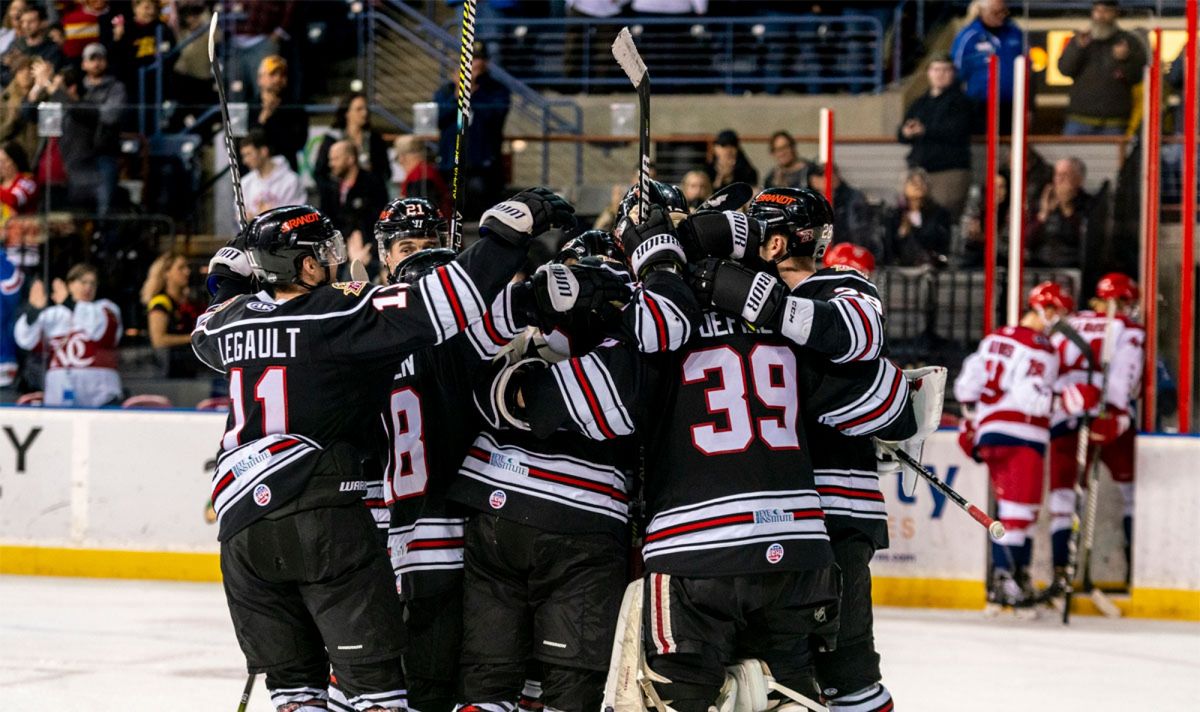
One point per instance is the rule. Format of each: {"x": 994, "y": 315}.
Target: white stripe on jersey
{"x": 261, "y": 464}
{"x": 865, "y": 325}
{"x": 202, "y": 324}
{"x": 592, "y": 400}
{"x": 847, "y": 504}
{"x": 674, "y": 326}
{"x": 500, "y": 318}
{"x": 447, "y": 555}
{"x": 440, "y": 300}
{"x": 735, "y": 520}
{"x": 876, "y": 408}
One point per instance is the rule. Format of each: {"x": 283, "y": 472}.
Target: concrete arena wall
{"x": 122, "y": 494}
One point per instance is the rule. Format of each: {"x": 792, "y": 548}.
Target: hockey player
{"x": 309, "y": 363}
{"x": 738, "y": 557}
{"x": 407, "y": 226}
{"x": 1008, "y": 382}
{"x": 1080, "y": 380}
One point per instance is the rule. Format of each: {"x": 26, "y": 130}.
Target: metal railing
{"x": 734, "y": 54}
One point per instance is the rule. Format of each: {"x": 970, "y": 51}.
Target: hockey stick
{"x": 230, "y": 147}
{"x": 731, "y": 197}
{"x": 626, "y": 54}
{"x": 995, "y": 528}
{"x": 466, "y": 56}
{"x": 246, "y": 692}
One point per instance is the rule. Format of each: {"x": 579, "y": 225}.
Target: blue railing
{"x": 734, "y": 54}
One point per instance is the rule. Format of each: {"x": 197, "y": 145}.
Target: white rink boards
{"x": 142, "y": 646}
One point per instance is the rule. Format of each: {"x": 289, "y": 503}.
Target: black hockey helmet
{"x": 592, "y": 243}
{"x": 409, "y": 218}
{"x": 421, "y": 263}
{"x": 664, "y": 194}
{"x": 279, "y": 239}
{"x": 802, "y": 215}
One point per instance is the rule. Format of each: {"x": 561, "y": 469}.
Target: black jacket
{"x": 946, "y": 143}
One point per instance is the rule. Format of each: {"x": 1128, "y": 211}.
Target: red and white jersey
{"x": 81, "y": 338}
{"x": 1124, "y": 369}
{"x": 1009, "y": 380}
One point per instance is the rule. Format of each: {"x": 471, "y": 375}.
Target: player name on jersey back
{"x": 257, "y": 343}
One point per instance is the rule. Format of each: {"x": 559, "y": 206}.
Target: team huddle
{"x": 689, "y": 403}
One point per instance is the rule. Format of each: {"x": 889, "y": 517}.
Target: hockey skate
{"x": 1007, "y": 594}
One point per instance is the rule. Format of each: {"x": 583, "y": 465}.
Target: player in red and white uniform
{"x": 81, "y": 335}
{"x": 1008, "y": 382}
{"x": 1080, "y": 379}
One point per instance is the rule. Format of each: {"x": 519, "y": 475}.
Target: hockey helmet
{"x": 1115, "y": 285}
{"x": 279, "y": 239}
{"x": 847, "y": 254}
{"x": 802, "y": 215}
{"x": 659, "y": 193}
{"x": 591, "y": 243}
{"x": 1051, "y": 294}
{"x": 409, "y": 218}
{"x": 421, "y": 263}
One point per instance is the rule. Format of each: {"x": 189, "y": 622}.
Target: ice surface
{"x": 134, "y": 646}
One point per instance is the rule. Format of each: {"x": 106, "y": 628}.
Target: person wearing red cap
{"x": 1008, "y": 385}
{"x": 1081, "y": 377}
{"x": 856, "y": 257}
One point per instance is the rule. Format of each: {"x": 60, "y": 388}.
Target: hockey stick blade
{"x": 626, "y": 54}
{"x": 731, "y": 197}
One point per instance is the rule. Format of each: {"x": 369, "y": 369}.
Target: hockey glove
{"x": 230, "y": 262}
{"x": 497, "y": 394}
{"x": 1079, "y": 398}
{"x": 560, "y": 289}
{"x": 527, "y": 215}
{"x": 725, "y": 285}
{"x": 1109, "y": 427}
{"x": 966, "y": 439}
{"x": 653, "y": 244}
{"x": 725, "y": 234}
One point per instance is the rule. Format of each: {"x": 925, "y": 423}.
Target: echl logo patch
{"x": 262, "y": 495}
{"x": 498, "y": 499}
{"x": 350, "y": 289}
{"x": 775, "y": 553}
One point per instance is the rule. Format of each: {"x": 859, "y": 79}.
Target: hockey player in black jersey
{"x": 308, "y": 364}
{"x": 738, "y": 556}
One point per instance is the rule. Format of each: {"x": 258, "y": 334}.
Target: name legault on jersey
{"x": 257, "y": 343}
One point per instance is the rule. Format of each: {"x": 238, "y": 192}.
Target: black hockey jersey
{"x": 838, "y": 313}
{"x": 729, "y": 486}
{"x": 844, "y": 465}
{"x": 312, "y": 372}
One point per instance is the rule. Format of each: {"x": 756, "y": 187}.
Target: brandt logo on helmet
{"x": 775, "y": 553}
{"x": 498, "y": 499}
{"x": 775, "y": 198}
{"x": 262, "y": 495}
{"x": 298, "y": 221}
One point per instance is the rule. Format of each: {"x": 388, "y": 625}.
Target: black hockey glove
{"x": 527, "y": 215}
{"x": 720, "y": 234}
{"x": 230, "y": 264}
{"x": 727, "y": 286}
{"x": 497, "y": 393}
{"x": 653, "y": 244}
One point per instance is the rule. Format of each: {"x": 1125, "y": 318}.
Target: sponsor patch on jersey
{"x": 498, "y": 499}
{"x": 260, "y": 307}
{"x": 252, "y": 459}
{"x": 775, "y": 553}
{"x": 350, "y": 289}
{"x": 772, "y": 516}
{"x": 500, "y": 461}
{"x": 262, "y": 495}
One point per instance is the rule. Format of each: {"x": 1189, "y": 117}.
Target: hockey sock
{"x": 1059, "y": 546}
{"x": 875, "y": 698}
{"x": 1023, "y": 554}
{"x": 1000, "y": 557}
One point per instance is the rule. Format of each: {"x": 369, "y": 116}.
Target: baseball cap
{"x": 95, "y": 49}
{"x": 728, "y": 137}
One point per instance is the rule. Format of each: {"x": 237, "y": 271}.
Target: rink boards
{"x": 122, "y": 494}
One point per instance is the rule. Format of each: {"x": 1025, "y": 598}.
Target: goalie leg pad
{"x": 571, "y": 689}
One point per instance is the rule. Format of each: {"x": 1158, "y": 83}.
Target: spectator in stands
{"x": 14, "y": 124}
{"x": 34, "y": 40}
{"x": 938, "y": 126}
{"x": 92, "y": 21}
{"x": 10, "y": 32}
{"x": 171, "y": 314}
{"x": 790, "y": 170}
{"x": 90, "y": 144}
{"x": 992, "y": 32}
{"x": 729, "y": 163}
{"x": 421, "y": 179}
{"x": 269, "y": 181}
{"x": 286, "y": 125}
{"x": 191, "y": 79}
{"x": 483, "y": 162}
{"x": 139, "y": 43}
{"x": 78, "y": 334}
{"x": 1105, "y": 63}
{"x": 355, "y": 201}
{"x": 851, "y": 214}
{"x": 1056, "y": 232}
{"x": 600, "y": 37}
{"x": 919, "y": 229}
{"x": 258, "y": 35}
{"x": 974, "y": 238}
{"x": 18, "y": 188}
{"x": 696, "y": 187}
{"x": 352, "y": 122}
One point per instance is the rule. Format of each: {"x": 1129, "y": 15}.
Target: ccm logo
{"x": 297, "y": 222}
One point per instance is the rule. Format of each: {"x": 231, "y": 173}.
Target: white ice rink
{"x": 131, "y": 646}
